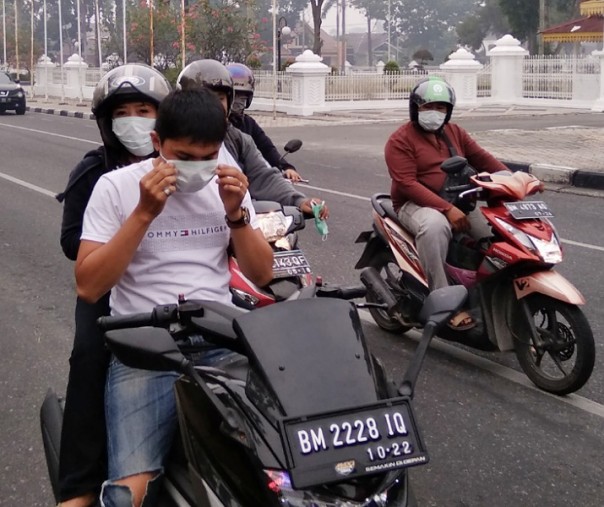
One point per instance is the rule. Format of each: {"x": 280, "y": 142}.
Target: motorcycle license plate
{"x": 335, "y": 447}
{"x": 290, "y": 263}
{"x": 528, "y": 209}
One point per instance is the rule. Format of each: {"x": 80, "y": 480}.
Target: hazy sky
{"x": 355, "y": 21}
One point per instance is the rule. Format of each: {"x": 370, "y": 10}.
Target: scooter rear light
{"x": 278, "y": 480}
{"x": 280, "y": 483}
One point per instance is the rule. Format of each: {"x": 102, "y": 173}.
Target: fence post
{"x": 598, "y": 105}
{"x": 308, "y": 83}
{"x": 462, "y": 74}
{"x": 43, "y": 76}
{"x": 506, "y": 70}
{"x": 379, "y": 67}
{"x": 75, "y": 68}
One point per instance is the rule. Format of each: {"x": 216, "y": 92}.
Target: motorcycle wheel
{"x": 563, "y": 359}
{"x": 381, "y": 317}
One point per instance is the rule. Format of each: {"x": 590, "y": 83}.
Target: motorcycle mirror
{"x": 146, "y": 348}
{"x": 437, "y": 309}
{"x": 293, "y": 145}
{"x": 454, "y": 165}
{"x": 442, "y": 303}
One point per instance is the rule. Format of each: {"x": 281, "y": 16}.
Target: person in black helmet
{"x": 414, "y": 154}
{"x": 244, "y": 85}
{"x": 125, "y": 104}
{"x": 266, "y": 183}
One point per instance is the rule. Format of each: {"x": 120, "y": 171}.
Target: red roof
{"x": 586, "y": 29}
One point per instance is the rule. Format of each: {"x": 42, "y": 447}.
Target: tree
{"x": 373, "y": 9}
{"x": 18, "y": 45}
{"x": 221, "y": 30}
{"x": 165, "y": 34}
{"x": 429, "y": 23}
{"x": 316, "y": 6}
{"x": 423, "y": 55}
{"x": 487, "y": 19}
{"x": 523, "y": 16}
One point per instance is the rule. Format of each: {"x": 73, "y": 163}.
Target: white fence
{"x": 569, "y": 81}
{"x": 560, "y": 78}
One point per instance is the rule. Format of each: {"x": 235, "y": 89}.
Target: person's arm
{"x": 264, "y": 144}
{"x": 265, "y": 183}
{"x": 99, "y": 266}
{"x": 254, "y": 254}
{"x": 75, "y": 198}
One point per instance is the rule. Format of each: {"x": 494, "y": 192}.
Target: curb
{"x": 60, "y": 112}
{"x": 560, "y": 175}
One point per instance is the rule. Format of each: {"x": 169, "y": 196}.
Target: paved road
{"x": 493, "y": 440}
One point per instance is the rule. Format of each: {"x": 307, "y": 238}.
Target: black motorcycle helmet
{"x": 428, "y": 90}
{"x": 244, "y": 82}
{"x": 208, "y": 74}
{"x": 127, "y": 83}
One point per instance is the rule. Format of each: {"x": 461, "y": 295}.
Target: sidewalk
{"x": 563, "y": 156}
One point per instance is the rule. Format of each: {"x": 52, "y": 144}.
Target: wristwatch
{"x": 241, "y": 222}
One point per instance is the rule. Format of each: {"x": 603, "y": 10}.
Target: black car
{"x": 12, "y": 94}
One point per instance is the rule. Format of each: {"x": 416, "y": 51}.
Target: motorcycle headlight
{"x": 548, "y": 251}
{"x": 280, "y": 483}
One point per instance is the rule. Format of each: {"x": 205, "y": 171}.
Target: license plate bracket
{"x": 523, "y": 210}
{"x": 290, "y": 263}
{"x": 334, "y": 447}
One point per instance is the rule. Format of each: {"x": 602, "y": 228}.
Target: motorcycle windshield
{"x": 311, "y": 353}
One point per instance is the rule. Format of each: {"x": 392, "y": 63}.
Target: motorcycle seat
{"x": 389, "y": 209}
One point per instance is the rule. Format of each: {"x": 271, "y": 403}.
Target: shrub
{"x": 392, "y": 67}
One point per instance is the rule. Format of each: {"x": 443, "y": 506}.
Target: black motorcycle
{"x": 297, "y": 412}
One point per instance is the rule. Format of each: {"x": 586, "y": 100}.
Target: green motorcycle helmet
{"x": 428, "y": 90}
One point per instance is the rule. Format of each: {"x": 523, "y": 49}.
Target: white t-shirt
{"x": 183, "y": 251}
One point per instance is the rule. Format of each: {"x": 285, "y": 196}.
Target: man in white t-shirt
{"x": 152, "y": 231}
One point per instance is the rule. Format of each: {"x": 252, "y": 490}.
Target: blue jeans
{"x": 140, "y": 408}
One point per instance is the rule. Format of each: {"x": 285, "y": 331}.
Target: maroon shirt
{"x": 414, "y": 157}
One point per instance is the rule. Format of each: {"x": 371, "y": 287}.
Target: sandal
{"x": 461, "y": 321}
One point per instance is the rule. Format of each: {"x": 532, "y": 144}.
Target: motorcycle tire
{"x": 547, "y": 363}
{"x": 381, "y": 317}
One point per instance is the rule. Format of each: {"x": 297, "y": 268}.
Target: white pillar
{"x": 506, "y": 70}
{"x": 43, "y": 78}
{"x": 598, "y": 105}
{"x": 75, "y": 68}
{"x": 308, "y": 84}
{"x": 462, "y": 74}
{"x": 379, "y": 67}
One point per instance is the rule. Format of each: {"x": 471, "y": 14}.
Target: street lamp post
{"x": 282, "y": 29}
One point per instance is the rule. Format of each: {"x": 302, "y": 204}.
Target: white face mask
{"x": 239, "y": 104}
{"x": 133, "y": 132}
{"x": 193, "y": 175}
{"x": 431, "y": 120}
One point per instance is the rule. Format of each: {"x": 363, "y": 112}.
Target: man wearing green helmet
{"x": 414, "y": 154}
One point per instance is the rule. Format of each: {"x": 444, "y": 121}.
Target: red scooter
{"x": 291, "y": 270}
{"x": 517, "y": 299}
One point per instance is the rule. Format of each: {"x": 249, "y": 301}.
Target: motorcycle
{"x": 291, "y": 269}
{"x": 517, "y": 299}
{"x": 297, "y": 413}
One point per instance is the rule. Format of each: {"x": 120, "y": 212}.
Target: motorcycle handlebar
{"x": 109, "y": 323}
{"x": 159, "y": 317}
{"x": 459, "y": 188}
